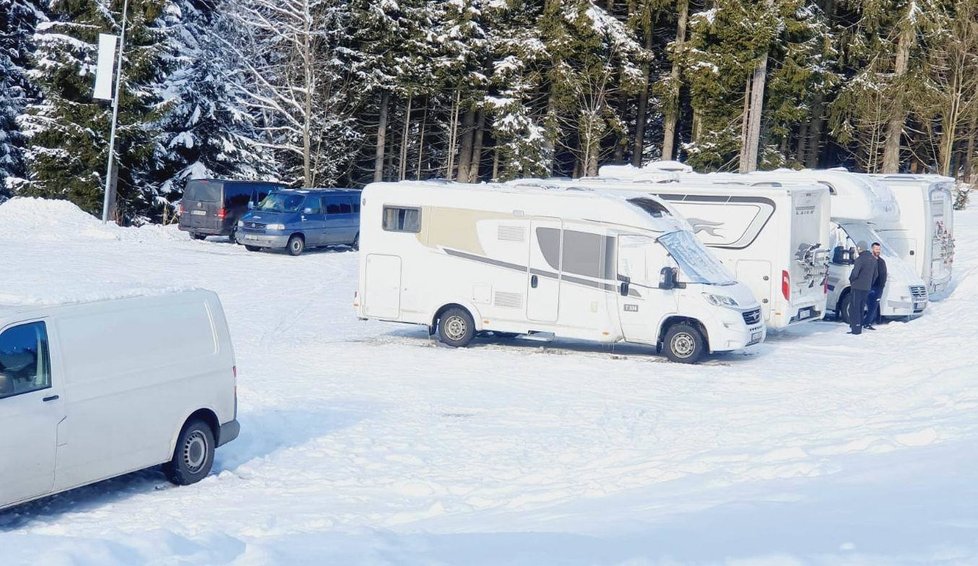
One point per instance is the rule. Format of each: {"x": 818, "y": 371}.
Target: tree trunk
{"x": 480, "y": 128}
{"x": 894, "y": 127}
{"x": 465, "y": 149}
{"x": 402, "y": 166}
{"x": 814, "y": 145}
{"x": 638, "y": 144}
{"x": 381, "y": 138}
{"x": 801, "y": 150}
{"x": 453, "y": 137}
{"x": 424, "y": 121}
{"x": 310, "y": 88}
{"x": 969, "y": 152}
{"x": 672, "y": 105}
{"x": 752, "y": 141}
{"x": 495, "y": 163}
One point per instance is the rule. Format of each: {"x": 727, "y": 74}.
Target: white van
{"x": 924, "y": 233}
{"x": 462, "y": 259}
{"x": 745, "y": 225}
{"x": 93, "y": 390}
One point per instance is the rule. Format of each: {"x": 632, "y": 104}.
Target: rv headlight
{"x": 275, "y": 226}
{"x": 720, "y": 300}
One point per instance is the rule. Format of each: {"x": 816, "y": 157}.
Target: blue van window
{"x": 338, "y": 205}
{"x": 281, "y": 202}
{"x": 313, "y": 205}
{"x": 25, "y": 364}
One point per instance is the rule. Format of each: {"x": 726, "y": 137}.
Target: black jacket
{"x": 880, "y": 281}
{"x": 865, "y": 272}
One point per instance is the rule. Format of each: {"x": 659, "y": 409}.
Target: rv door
{"x": 543, "y": 270}
{"x": 382, "y": 288}
{"x": 641, "y": 303}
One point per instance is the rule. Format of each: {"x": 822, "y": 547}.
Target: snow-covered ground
{"x": 365, "y": 442}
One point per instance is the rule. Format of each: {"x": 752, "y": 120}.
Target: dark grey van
{"x": 212, "y": 207}
{"x": 296, "y": 219}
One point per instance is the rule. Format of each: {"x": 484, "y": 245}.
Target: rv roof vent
{"x": 652, "y": 206}
{"x": 512, "y": 233}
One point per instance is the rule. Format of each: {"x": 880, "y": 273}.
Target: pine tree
{"x": 69, "y": 132}
{"x": 17, "y": 21}
{"x": 206, "y": 130}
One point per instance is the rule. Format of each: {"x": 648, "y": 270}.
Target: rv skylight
{"x": 655, "y": 208}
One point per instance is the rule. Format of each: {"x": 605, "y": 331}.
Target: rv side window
{"x": 401, "y": 219}
{"x": 25, "y": 364}
{"x": 588, "y": 254}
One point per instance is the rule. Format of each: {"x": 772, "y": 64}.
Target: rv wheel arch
{"x": 200, "y": 432}
{"x": 842, "y": 307}
{"x": 207, "y": 416}
{"x": 456, "y": 325}
{"x": 674, "y": 320}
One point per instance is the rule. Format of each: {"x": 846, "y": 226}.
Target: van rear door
{"x": 202, "y": 200}
{"x": 31, "y": 408}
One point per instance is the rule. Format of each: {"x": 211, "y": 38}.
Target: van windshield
{"x": 281, "y": 202}
{"x": 695, "y": 261}
{"x": 205, "y": 191}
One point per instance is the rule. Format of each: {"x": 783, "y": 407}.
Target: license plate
{"x": 198, "y": 212}
{"x": 804, "y": 313}
{"x": 247, "y": 237}
{"x": 755, "y": 337}
{"x": 918, "y": 306}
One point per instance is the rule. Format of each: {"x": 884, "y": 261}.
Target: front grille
{"x": 752, "y": 317}
{"x": 919, "y": 292}
{"x": 254, "y": 225}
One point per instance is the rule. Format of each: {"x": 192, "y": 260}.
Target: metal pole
{"x": 115, "y": 115}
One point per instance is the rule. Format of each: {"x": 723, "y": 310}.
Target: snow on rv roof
{"x": 565, "y": 188}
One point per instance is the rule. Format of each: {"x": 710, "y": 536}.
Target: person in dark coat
{"x": 864, "y": 273}
{"x": 876, "y": 292}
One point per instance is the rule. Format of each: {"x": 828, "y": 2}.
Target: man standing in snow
{"x": 873, "y": 301}
{"x": 861, "y": 279}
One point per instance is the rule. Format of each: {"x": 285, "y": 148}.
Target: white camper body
{"x": 93, "y": 390}
{"x": 773, "y": 237}
{"x": 924, "y": 233}
{"x": 859, "y": 206}
{"x": 468, "y": 258}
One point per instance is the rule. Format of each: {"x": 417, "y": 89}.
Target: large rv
{"x": 772, "y": 236}
{"x": 924, "y": 233}
{"x": 462, "y": 259}
{"x": 859, "y": 205}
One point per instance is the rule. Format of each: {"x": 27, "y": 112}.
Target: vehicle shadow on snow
{"x": 225, "y": 245}
{"x": 262, "y": 434}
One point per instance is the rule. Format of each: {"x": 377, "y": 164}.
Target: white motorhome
{"x": 745, "y": 224}
{"x": 924, "y": 233}
{"x": 462, "y": 259}
{"x": 859, "y": 207}
{"x": 93, "y": 390}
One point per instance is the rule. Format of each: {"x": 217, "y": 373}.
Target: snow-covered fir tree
{"x": 17, "y": 21}
{"x": 69, "y": 131}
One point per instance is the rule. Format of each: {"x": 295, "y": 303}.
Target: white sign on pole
{"x": 103, "y": 74}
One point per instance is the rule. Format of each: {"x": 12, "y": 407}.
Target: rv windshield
{"x": 281, "y": 202}
{"x": 865, "y": 232}
{"x": 695, "y": 262}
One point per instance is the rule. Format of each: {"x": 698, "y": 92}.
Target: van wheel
{"x": 252, "y": 248}
{"x": 684, "y": 344}
{"x": 193, "y": 456}
{"x": 456, "y": 327}
{"x": 356, "y": 242}
{"x": 296, "y": 245}
{"x": 197, "y": 236}
{"x": 843, "y": 308}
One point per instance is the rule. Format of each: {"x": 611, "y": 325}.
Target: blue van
{"x": 296, "y": 219}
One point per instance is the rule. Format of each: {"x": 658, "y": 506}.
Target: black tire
{"x": 233, "y": 236}
{"x": 356, "y": 242}
{"x": 845, "y": 305}
{"x": 684, "y": 343}
{"x": 456, "y": 327}
{"x": 197, "y": 236}
{"x": 193, "y": 457}
{"x": 296, "y": 244}
{"x": 252, "y": 248}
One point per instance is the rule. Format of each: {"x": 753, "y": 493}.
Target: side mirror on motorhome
{"x": 839, "y": 255}
{"x": 623, "y": 288}
{"x": 667, "y": 278}
{"x": 852, "y": 256}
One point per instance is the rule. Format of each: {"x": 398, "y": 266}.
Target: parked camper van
{"x": 212, "y": 207}
{"x": 93, "y": 390}
{"x": 860, "y": 206}
{"x": 462, "y": 259}
{"x": 296, "y": 219}
{"x": 924, "y": 233}
{"x": 745, "y": 224}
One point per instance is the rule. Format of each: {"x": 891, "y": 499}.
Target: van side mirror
{"x": 251, "y": 205}
{"x": 306, "y": 211}
{"x": 623, "y": 288}
{"x": 667, "y": 278}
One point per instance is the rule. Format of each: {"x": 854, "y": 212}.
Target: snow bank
{"x": 59, "y": 220}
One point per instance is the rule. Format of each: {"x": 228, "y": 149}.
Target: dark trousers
{"x": 873, "y": 307}
{"x": 857, "y": 304}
